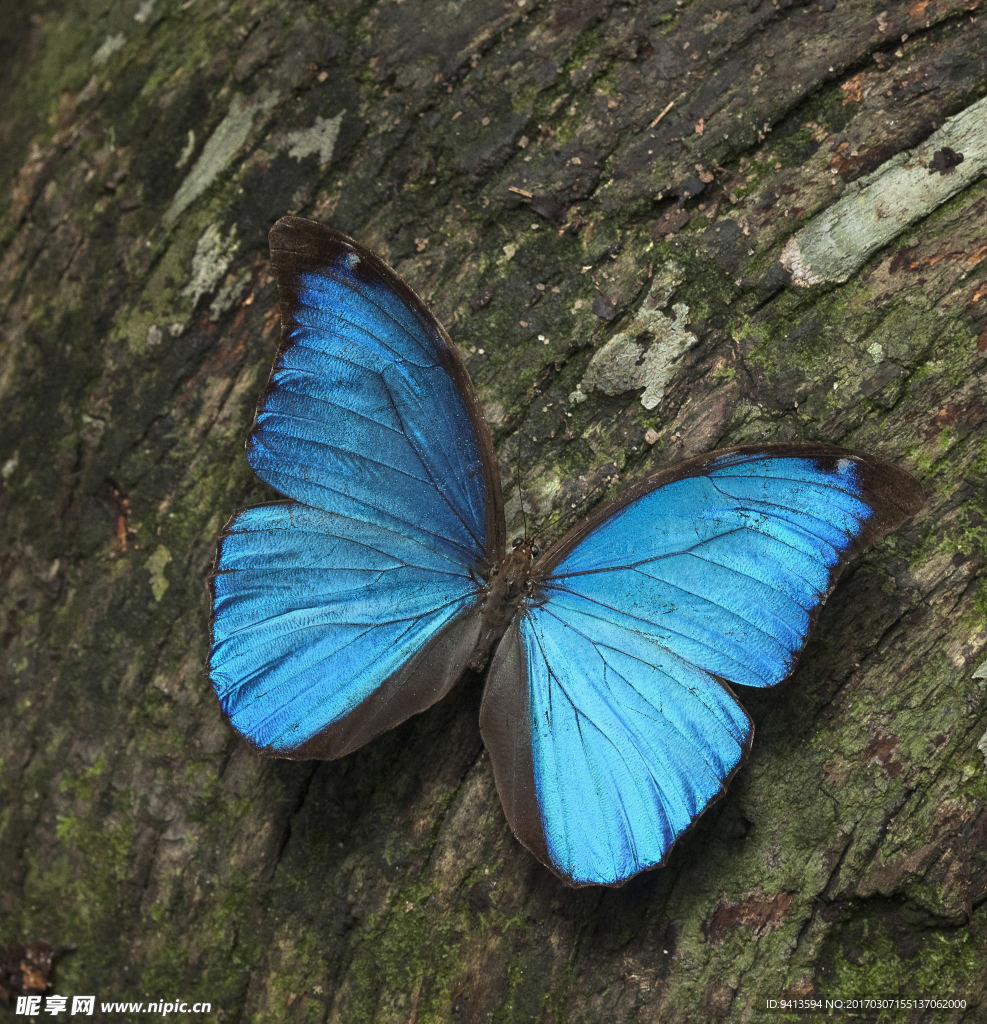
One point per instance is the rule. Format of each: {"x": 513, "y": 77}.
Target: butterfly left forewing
{"x": 370, "y": 411}
{"x": 711, "y": 571}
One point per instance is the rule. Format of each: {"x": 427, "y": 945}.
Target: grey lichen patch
{"x": 10, "y": 467}
{"x": 320, "y": 138}
{"x": 187, "y": 150}
{"x": 644, "y": 356}
{"x": 616, "y": 368}
{"x": 155, "y": 565}
{"x": 672, "y": 340}
{"x": 220, "y": 148}
{"x": 233, "y": 287}
{"x": 163, "y": 303}
{"x": 212, "y": 257}
{"x": 144, "y": 12}
{"x": 881, "y": 205}
{"x": 108, "y": 47}
{"x": 982, "y": 747}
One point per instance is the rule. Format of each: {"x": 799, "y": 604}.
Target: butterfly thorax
{"x": 508, "y": 586}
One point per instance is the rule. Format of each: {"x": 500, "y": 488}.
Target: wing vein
{"x": 481, "y": 547}
{"x": 638, "y": 618}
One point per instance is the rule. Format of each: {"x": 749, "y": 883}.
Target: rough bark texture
{"x": 146, "y": 149}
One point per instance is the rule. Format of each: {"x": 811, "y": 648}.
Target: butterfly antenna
{"x": 569, "y": 514}
{"x": 520, "y": 497}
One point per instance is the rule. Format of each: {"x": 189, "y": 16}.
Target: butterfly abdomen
{"x": 509, "y": 585}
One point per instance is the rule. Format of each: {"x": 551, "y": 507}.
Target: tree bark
{"x": 611, "y": 207}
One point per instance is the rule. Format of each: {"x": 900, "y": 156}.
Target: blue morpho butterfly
{"x": 361, "y": 599}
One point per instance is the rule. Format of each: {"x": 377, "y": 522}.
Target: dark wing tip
{"x": 299, "y": 246}
{"x": 300, "y": 235}
{"x": 893, "y": 493}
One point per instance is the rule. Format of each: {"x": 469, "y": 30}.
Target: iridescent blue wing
{"x": 607, "y": 714}
{"x": 370, "y": 411}
{"x": 341, "y": 613}
{"x": 329, "y": 630}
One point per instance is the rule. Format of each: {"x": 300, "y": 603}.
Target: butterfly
{"x": 384, "y": 575}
